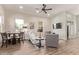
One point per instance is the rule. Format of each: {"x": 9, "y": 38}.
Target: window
{"x": 19, "y": 23}
{"x": 0, "y": 23}
{"x": 0, "y": 19}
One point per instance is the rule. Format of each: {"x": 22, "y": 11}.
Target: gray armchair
{"x": 52, "y": 40}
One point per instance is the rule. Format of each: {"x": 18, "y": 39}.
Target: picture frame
{"x": 31, "y": 25}
{"x": 40, "y": 26}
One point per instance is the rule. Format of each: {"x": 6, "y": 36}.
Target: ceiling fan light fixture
{"x": 37, "y": 11}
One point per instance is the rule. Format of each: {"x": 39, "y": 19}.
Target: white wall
{"x": 77, "y": 25}
{"x": 10, "y": 21}
{"x": 72, "y": 26}
{"x": 59, "y": 18}
{"x": 62, "y": 18}
{"x": 3, "y": 26}
{"x": 2, "y": 16}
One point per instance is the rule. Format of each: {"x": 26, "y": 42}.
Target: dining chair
{"x": 4, "y": 39}
{"x": 21, "y": 35}
{"x": 9, "y": 37}
{"x": 13, "y": 38}
{"x": 17, "y": 37}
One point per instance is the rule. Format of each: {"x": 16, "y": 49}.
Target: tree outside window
{"x": 19, "y": 24}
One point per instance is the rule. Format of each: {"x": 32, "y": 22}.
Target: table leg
{"x": 19, "y": 40}
{"x": 39, "y": 43}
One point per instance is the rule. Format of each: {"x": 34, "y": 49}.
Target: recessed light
{"x": 21, "y": 7}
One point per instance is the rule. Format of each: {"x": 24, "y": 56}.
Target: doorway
{"x": 67, "y": 32}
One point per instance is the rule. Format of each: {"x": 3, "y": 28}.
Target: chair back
{"x": 4, "y": 36}
{"x": 21, "y": 35}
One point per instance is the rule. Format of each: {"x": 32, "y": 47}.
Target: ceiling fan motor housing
{"x": 45, "y": 10}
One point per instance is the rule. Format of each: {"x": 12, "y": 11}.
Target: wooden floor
{"x": 69, "y": 47}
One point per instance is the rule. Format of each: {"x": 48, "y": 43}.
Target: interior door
{"x": 67, "y": 32}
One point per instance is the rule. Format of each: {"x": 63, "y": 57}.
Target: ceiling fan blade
{"x": 44, "y": 9}
{"x": 45, "y": 12}
{"x": 49, "y": 9}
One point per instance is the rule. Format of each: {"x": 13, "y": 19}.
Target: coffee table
{"x": 40, "y": 39}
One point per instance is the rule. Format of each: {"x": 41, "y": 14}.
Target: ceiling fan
{"x": 44, "y": 9}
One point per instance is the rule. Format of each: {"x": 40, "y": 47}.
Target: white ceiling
{"x": 31, "y": 8}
